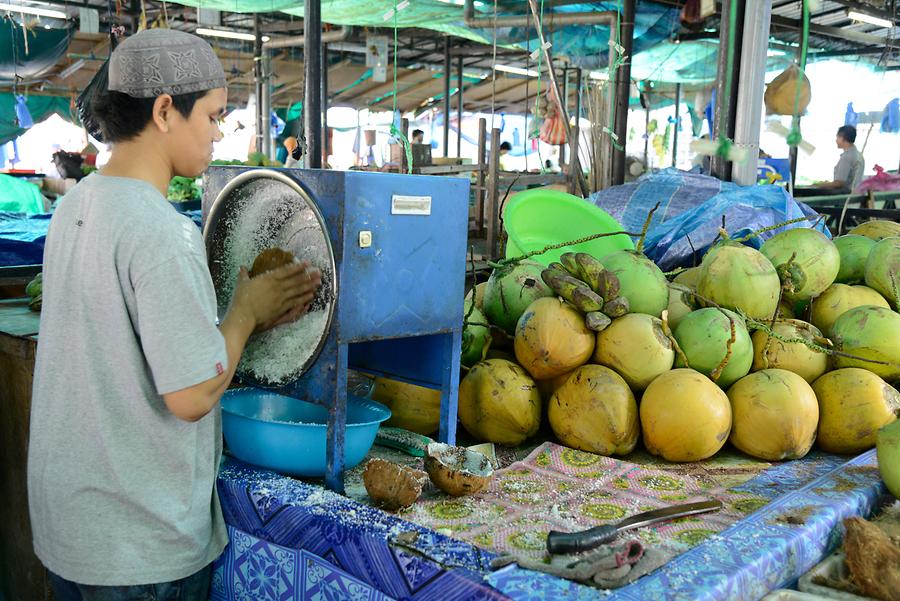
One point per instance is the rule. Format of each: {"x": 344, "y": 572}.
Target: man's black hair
{"x": 122, "y": 117}
{"x": 505, "y": 146}
{"x": 417, "y": 132}
{"x": 848, "y": 132}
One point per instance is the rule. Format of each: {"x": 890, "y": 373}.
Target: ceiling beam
{"x": 832, "y": 32}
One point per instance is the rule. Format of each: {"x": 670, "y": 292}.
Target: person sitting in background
{"x": 505, "y": 148}
{"x": 294, "y": 152}
{"x": 418, "y": 136}
{"x": 849, "y": 169}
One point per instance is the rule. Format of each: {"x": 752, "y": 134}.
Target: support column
{"x": 258, "y": 82}
{"x": 574, "y": 159}
{"x": 726, "y": 99}
{"x": 325, "y": 147}
{"x": 312, "y": 70}
{"x": 623, "y": 91}
{"x": 677, "y": 121}
{"x": 754, "y": 49}
{"x": 447, "y": 96}
{"x": 565, "y": 99}
{"x": 459, "y": 106}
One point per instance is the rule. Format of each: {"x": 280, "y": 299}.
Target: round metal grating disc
{"x": 262, "y": 209}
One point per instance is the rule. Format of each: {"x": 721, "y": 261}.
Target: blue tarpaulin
{"x": 691, "y": 210}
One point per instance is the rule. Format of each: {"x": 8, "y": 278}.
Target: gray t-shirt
{"x": 121, "y": 491}
{"x": 849, "y": 169}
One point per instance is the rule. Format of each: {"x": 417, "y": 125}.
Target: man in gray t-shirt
{"x": 125, "y": 435}
{"x": 849, "y": 169}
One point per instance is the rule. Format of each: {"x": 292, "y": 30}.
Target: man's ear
{"x": 162, "y": 112}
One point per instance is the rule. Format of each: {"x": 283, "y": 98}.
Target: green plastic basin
{"x": 538, "y": 218}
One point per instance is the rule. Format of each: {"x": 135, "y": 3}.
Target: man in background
{"x": 418, "y": 136}
{"x": 849, "y": 169}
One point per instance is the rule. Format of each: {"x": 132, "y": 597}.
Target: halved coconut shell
{"x": 456, "y": 470}
{"x": 393, "y": 486}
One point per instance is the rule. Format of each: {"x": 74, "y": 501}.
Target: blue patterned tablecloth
{"x": 378, "y": 553}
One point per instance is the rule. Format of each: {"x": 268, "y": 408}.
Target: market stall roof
{"x": 664, "y": 52}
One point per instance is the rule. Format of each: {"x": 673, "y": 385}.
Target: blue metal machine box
{"x": 399, "y": 247}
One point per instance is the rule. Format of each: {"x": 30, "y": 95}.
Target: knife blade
{"x": 575, "y": 542}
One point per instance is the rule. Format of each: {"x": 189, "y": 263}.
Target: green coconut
{"x": 854, "y": 250}
{"x": 510, "y": 290}
{"x": 641, "y": 282}
{"x": 888, "y": 451}
{"x": 474, "y": 337}
{"x": 877, "y": 229}
{"x": 872, "y": 333}
{"x": 738, "y": 277}
{"x": 703, "y": 337}
{"x": 815, "y": 264}
{"x": 883, "y": 269}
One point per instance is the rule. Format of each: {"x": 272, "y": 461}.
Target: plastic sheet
{"x": 692, "y": 207}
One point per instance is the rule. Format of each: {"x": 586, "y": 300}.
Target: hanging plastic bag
{"x": 882, "y": 181}
{"x": 781, "y": 94}
{"x": 553, "y": 127}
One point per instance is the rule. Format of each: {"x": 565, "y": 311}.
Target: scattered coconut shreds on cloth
{"x": 873, "y": 560}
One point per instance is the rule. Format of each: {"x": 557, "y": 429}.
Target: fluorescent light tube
{"x": 866, "y": 18}
{"x": 231, "y": 35}
{"x": 516, "y": 70}
{"x": 31, "y": 10}
{"x": 601, "y": 75}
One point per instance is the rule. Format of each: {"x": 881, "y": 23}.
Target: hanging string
{"x": 616, "y": 59}
{"x": 794, "y": 137}
{"x": 395, "y": 131}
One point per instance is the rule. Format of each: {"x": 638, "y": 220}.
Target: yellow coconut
{"x": 412, "y": 407}
{"x": 478, "y": 294}
{"x": 551, "y": 339}
{"x": 853, "y": 404}
{"x": 796, "y": 357}
{"x": 595, "y": 411}
{"x": 689, "y": 277}
{"x": 499, "y": 402}
{"x": 840, "y": 298}
{"x": 551, "y": 385}
{"x": 685, "y": 416}
{"x": 877, "y": 229}
{"x": 636, "y": 347}
{"x": 774, "y": 415}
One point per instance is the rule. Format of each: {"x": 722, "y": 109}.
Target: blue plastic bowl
{"x": 288, "y": 435}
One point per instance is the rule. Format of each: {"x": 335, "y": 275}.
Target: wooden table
{"x": 22, "y": 577}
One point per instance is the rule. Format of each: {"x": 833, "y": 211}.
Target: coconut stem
{"x": 668, "y": 332}
{"x": 717, "y": 372}
{"x": 758, "y": 233}
{"x": 549, "y": 247}
{"x": 758, "y": 325}
{"x": 640, "y": 245}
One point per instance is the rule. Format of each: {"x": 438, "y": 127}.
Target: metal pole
{"x": 447, "y": 96}
{"x": 565, "y": 95}
{"x": 493, "y": 183}
{"x": 757, "y": 16}
{"x": 623, "y": 91}
{"x": 325, "y": 136}
{"x": 481, "y": 163}
{"x": 677, "y": 121}
{"x": 459, "y": 106}
{"x": 647, "y": 135}
{"x": 258, "y": 82}
{"x": 312, "y": 69}
{"x": 404, "y": 129}
{"x": 726, "y": 100}
{"x": 574, "y": 158}
{"x": 266, "y": 112}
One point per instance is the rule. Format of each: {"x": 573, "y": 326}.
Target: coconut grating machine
{"x": 392, "y": 252}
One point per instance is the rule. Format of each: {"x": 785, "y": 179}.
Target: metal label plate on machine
{"x": 410, "y": 205}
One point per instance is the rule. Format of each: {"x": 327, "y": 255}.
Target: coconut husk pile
{"x": 873, "y": 559}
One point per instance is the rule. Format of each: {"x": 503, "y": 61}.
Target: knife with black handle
{"x": 585, "y": 540}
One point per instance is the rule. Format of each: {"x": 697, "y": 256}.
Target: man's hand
{"x": 275, "y": 297}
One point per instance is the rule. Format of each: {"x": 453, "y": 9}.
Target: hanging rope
{"x": 794, "y": 137}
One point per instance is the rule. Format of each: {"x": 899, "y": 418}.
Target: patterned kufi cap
{"x": 164, "y": 61}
